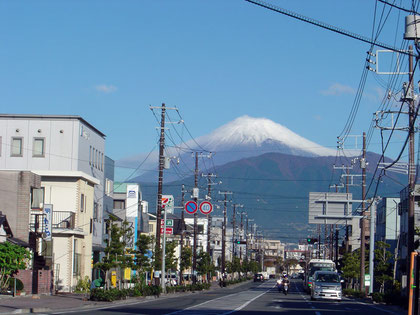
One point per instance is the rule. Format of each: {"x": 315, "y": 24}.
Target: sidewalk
{"x": 70, "y": 301}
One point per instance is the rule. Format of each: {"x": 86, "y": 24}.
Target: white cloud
{"x": 105, "y": 88}
{"x": 338, "y": 89}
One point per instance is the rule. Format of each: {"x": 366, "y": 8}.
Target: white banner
{"x": 47, "y": 221}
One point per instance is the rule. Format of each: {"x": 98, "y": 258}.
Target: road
{"x": 250, "y": 298}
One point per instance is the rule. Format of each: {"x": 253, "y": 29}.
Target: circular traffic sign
{"x": 206, "y": 207}
{"x": 191, "y": 207}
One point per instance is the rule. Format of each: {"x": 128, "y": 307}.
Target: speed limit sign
{"x": 206, "y": 207}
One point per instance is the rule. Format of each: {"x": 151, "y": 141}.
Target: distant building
{"x": 388, "y": 222}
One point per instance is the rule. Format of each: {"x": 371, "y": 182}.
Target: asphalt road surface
{"x": 250, "y": 298}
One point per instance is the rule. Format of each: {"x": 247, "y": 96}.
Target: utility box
{"x": 412, "y": 27}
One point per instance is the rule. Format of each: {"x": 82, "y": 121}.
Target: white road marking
{"x": 245, "y": 304}
{"x": 378, "y": 308}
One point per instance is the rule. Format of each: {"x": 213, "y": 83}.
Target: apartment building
{"x": 68, "y": 154}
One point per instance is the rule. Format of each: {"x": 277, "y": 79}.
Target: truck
{"x": 271, "y": 272}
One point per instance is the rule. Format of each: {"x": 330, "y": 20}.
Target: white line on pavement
{"x": 185, "y": 309}
{"x": 245, "y": 304}
{"x": 378, "y": 308}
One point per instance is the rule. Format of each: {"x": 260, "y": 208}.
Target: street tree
{"x": 12, "y": 258}
{"x": 383, "y": 267}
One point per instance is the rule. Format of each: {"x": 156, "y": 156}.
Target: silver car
{"x": 326, "y": 285}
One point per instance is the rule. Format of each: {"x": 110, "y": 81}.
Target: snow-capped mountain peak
{"x": 247, "y": 131}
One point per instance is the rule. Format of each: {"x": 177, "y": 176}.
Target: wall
{"x": 45, "y": 281}
{"x": 15, "y": 196}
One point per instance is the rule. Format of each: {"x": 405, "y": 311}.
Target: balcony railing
{"x": 63, "y": 220}
{"x": 60, "y": 220}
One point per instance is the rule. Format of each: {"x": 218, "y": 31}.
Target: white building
{"x": 68, "y": 153}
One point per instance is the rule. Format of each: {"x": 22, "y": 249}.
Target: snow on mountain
{"x": 241, "y": 138}
{"x": 260, "y": 133}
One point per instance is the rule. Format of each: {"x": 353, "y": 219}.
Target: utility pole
{"x": 195, "y": 219}
{"x": 363, "y": 220}
{"x": 246, "y": 239}
{"x": 411, "y": 166}
{"x": 224, "y": 231}
{"x": 318, "y": 227}
{"x": 234, "y": 228}
{"x": 372, "y": 244}
{"x": 209, "y": 184}
{"x": 182, "y": 229}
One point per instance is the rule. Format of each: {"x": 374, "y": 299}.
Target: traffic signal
{"x": 240, "y": 242}
{"x": 311, "y": 240}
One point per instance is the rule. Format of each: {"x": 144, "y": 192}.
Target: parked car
{"x": 258, "y": 277}
{"x": 326, "y": 285}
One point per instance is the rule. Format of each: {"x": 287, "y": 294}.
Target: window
{"x": 95, "y": 211}
{"x": 119, "y": 204}
{"x": 109, "y": 187}
{"x": 37, "y": 198}
{"x": 38, "y": 149}
{"x": 151, "y": 228}
{"x": 82, "y": 202}
{"x": 90, "y": 155}
{"x": 77, "y": 260}
{"x": 17, "y": 147}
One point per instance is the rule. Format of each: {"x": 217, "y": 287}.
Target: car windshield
{"x": 327, "y": 277}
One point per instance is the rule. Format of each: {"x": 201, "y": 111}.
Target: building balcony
{"x": 62, "y": 222}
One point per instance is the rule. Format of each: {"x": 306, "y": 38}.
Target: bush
{"x": 378, "y": 297}
{"x": 353, "y": 293}
{"x": 11, "y": 284}
{"x": 83, "y": 285}
{"x": 393, "y": 296}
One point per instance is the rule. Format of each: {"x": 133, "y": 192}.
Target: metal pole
{"x": 411, "y": 168}
{"x": 163, "y": 253}
{"x": 160, "y": 182}
{"x": 362, "y": 221}
{"x": 182, "y": 231}
{"x": 233, "y": 231}
{"x": 224, "y": 237}
{"x": 209, "y": 215}
{"x": 372, "y": 244}
{"x": 195, "y": 222}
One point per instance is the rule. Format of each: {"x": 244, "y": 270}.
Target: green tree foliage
{"x": 170, "y": 259}
{"x": 204, "y": 263}
{"x": 383, "y": 267}
{"x": 186, "y": 258}
{"x": 12, "y": 258}
{"x": 141, "y": 260}
{"x": 351, "y": 266}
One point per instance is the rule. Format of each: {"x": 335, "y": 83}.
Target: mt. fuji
{"x": 253, "y": 136}
{"x": 241, "y": 138}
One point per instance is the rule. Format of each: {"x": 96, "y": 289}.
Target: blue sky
{"x": 107, "y": 61}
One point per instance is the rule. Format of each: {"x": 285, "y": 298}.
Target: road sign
{"x": 169, "y": 222}
{"x": 169, "y": 230}
{"x": 191, "y": 207}
{"x": 206, "y": 207}
{"x": 367, "y": 280}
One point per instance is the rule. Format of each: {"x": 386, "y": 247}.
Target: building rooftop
{"x": 58, "y": 117}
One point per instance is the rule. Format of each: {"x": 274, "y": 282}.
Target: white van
{"x": 326, "y": 285}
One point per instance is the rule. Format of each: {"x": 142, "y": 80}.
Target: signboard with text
{"x": 47, "y": 221}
